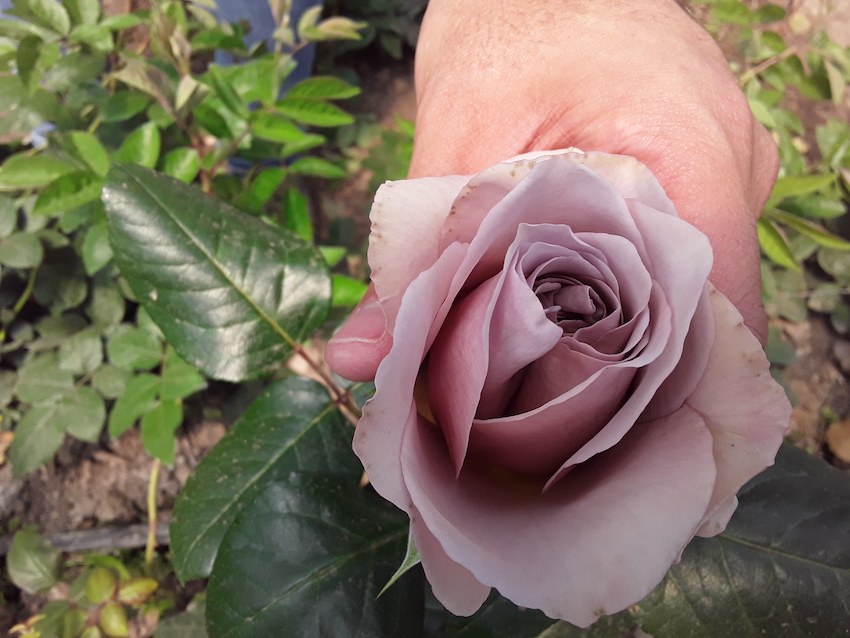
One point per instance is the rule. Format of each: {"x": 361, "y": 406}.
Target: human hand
{"x": 496, "y": 78}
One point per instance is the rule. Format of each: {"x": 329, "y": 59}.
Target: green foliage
{"x": 94, "y": 601}
{"x": 72, "y": 352}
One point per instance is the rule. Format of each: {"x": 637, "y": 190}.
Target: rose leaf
{"x": 308, "y": 554}
{"x": 781, "y": 568}
{"x": 232, "y": 294}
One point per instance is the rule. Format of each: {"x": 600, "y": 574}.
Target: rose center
{"x": 569, "y": 302}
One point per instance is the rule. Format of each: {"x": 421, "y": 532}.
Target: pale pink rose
{"x": 567, "y": 400}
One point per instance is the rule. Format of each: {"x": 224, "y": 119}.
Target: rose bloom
{"x": 567, "y": 401}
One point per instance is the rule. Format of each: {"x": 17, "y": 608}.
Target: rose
{"x": 567, "y": 401}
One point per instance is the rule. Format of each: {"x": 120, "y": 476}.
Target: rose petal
{"x": 379, "y": 434}
{"x": 593, "y": 544}
{"x": 406, "y": 219}
{"x": 450, "y": 581}
{"x": 745, "y": 411}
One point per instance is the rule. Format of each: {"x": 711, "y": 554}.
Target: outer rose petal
{"x": 745, "y": 411}
{"x": 379, "y": 434}
{"x": 595, "y": 543}
{"x": 449, "y": 580}
{"x": 406, "y": 219}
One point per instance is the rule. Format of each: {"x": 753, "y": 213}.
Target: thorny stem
{"x": 150, "y": 546}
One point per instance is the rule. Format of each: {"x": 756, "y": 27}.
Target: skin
{"x": 496, "y": 78}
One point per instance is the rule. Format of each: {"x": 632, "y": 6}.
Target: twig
{"x": 150, "y": 545}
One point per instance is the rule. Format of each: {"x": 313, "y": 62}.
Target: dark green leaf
{"x": 26, "y": 171}
{"x": 21, "y": 250}
{"x": 61, "y": 281}
{"x": 308, "y": 556}
{"x": 769, "y": 13}
{"x": 187, "y": 624}
{"x": 781, "y": 568}
{"x": 8, "y": 215}
{"x": 324, "y": 87}
{"x": 226, "y": 93}
{"x": 135, "y": 349}
{"x": 261, "y": 447}
{"x": 139, "y": 397}
{"x": 69, "y": 191}
{"x": 231, "y": 293}
{"x": 313, "y": 112}
{"x": 158, "y": 427}
{"x": 106, "y": 306}
{"x": 83, "y": 413}
{"x": 141, "y": 146}
{"x": 33, "y": 563}
{"x": 307, "y": 142}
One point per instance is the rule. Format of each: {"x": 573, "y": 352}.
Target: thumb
{"x": 362, "y": 342}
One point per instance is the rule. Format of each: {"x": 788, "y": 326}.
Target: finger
{"x": 359, "y": 346}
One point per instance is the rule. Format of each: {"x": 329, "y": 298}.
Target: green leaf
{"x": 82, "y": 353}
{"x": 41, "y": 380}
{"x": 187, "y": 624}
{"x": 83, "y": 11}
{"x": 21, "y": 250}
{"x": 733, "y": 11}
{"x": 781, "y": 568}
{"x": 8, "y": 215}
{"x": 111, "y": 381}
{"x": 225, "y": 92}
{"x": 313, "y": 112}
{"x": 809, "y": 229}
{"x": 69, "y": 191}
{"x": 333, "y": 254}
{"x": 275, "y": 127}
{"x": 297, "y": 219}
{"x": 318, "y": 167}
{"x": 122, "y": 105}
{"x": 106, "y": 306}
{"x": 95, "y": 36}
{"x": 775, "y": 245}
{"x": 26, "y": 59}
{"x": 837, "y": 83}
{"x": 139, "y": 397}
{"x": 182, "y": 164}
{"x": 74, "y": 69}
{"x": 84, "y": 414}
{"x": 262, "y": 446}
{"x": 33, "y": 563}
{"x": 141, "y": 146}
{"x": 836, "y": 263}
{"x": 121, "y": 21}
{"x": 85, "y": 147}
{"x": 38, "y": 436}
{"x": 230, "y": 293}
{"x": 28, "y": 171}
{"x": 768, "y": 13}
{"x": 96, "y": 251}
{"x": 347, "y": 291}
{"x": 411, "y": 560}
{"x": 135, "y": 349}
{"x": 48, "y": 14}
{"x": 179, "y": 379}
{"x": 324, "y": 87}
{"x": 312, "y": 535}
{"x": 158, "y": 427}
{"x": 793, "y": 185}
